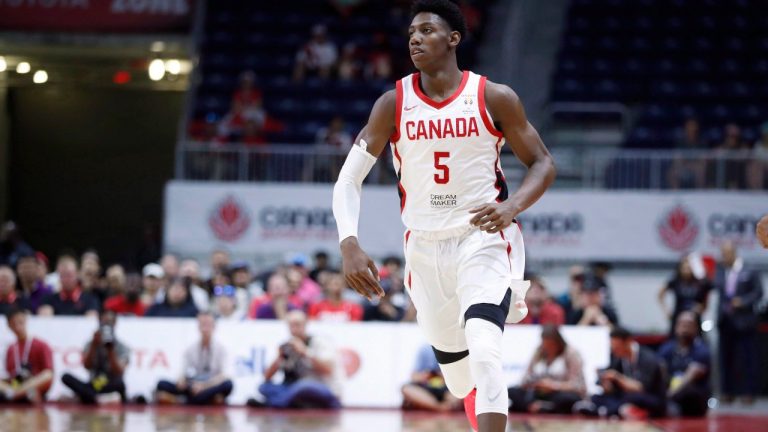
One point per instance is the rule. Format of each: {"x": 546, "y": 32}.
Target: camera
{"x": 107, "y": 334}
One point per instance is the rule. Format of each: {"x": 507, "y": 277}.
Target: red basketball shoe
{"x": 469, "y": 408}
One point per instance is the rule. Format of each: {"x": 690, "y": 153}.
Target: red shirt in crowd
{"x": 120, "y": 305}
{"x": 551, "y": 313}
{"x": 39, "y": 358}
{"x": 345, "y": 311}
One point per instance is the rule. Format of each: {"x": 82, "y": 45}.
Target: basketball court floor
{"x": 65, "y": 417}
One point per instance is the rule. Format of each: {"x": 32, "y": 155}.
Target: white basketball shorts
{"x": 448, "y": 271}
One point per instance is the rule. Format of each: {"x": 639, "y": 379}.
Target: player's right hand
{"x": 359, "y": 270}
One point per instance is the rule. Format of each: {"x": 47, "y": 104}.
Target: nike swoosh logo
{"x": 410, "y": 108}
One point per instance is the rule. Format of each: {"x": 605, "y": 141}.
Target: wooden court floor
{"x": 61, "y": 418}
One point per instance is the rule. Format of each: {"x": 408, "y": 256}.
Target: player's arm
{"x": 359, "y": 270}
{"x": 761, "y": 230}
{"x": 508, "y": 113}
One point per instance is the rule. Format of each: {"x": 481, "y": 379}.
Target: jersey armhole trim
{"x": 398, "y": 111}
{"x": 484, "y": 111}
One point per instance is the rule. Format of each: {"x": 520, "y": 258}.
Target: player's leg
{"x": 490, "y": 269}
{"x": 438, "y": 310}
{"x": 484, "y": 331}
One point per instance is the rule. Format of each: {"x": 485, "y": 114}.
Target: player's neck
{"x": 441, "y": 83}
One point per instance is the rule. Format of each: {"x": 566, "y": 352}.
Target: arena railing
{"x": 598, "y": 168}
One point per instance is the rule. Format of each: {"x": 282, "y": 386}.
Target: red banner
{"x": 119, "y": 16}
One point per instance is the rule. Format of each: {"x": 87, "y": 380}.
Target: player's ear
{"x": 454, "y": 38}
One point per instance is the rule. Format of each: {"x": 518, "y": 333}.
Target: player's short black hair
{"x": 621, "y": 333}
{"x": 13, "y": 312}
{"x": 448, "y": 10}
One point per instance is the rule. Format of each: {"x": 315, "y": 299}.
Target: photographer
{"x": 203, "y": 382}
{"x": 634, "y": 385}
{"x": 29, "y": 363}
{"x": 106, "y": 360}
{"x": 310, "y": 371}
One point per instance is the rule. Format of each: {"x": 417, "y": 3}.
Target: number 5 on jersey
{"x": 443, "y": 176}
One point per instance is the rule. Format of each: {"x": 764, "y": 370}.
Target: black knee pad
{"x": 496, "y": 314}
{"x": 449, "y": 357}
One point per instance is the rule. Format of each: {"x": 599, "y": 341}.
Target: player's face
{"x": 429, "y": 39}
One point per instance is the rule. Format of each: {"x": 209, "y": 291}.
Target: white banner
{"x": 257, "y": 220}
{"x": 378, "y": 358}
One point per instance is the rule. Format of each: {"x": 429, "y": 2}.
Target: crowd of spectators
{"x": 638, "y": 383}
{"x": 730, "y": 162}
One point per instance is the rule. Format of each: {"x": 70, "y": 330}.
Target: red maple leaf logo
{"x": 228, "y": 220}
{"x": 678, "y": 229}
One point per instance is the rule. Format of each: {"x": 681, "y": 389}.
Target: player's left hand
{"x": 493, "y": 217}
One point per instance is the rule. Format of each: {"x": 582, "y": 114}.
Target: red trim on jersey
{"x": 484, "y": 112}
{"x": 497, "y": 169}
{"x": 410, "y": 286}
{"x": 509, "y": 249}
{"x": 399, "y": 184}
{"x": 407, "y": 236}
{"x": 398, "y": 111}
{"x": 427, "y": 100}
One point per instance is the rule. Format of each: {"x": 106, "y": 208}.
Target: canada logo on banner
{"x": 229, "y": 220}
{"x": 678, "y": 229}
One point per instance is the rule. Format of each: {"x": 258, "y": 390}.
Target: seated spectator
{"x": 128, "y": 301}
{"x": 71, "y": 299}
{"x": 333, "y": 307}
{"x": 203, "y": 381}
{"x": 28, "y": 362}
{"x": 106, "y": 359}
{"x": 541, "y": 308}
{"x": 245, "y": 288}
{"x": 688, "y": 172}
{"x": 300, "y": 283}
{"x": 379, "y": 64}
{"x": 153, "y": 284}
{"x": 388, "y": 307}
{"x": 349, "y": 67}
{"x": 278, "y": 301}
{"x": 32, "y": 271}
{"x": 634, "y": 385}
{"x": 570, "y": 300}
{"x": 688, "y": 362}
{"x": 690, "y": 293}
{"x": 177, "y": 303}
{"x": 219, "y": 264}
{"x": 9, "y": 298}
{"x": 733, "y": 144}
{"x": 171, "y": 267}
{"x": 90, "y": 276}
{"x": 310, "y": 370}
{"x": 12, "y": 244}
{"x": 248, "y": 93}
{"x": 317, "y": 56}
{"x": 335, "y": 141}
{"x": 190, "y": 272}
{"x": 554, "y": 380}
{"x": 225, "y": 303}
{"x": 115, "y": 280}
{"x": 427, "y": 390}
{"x": 321, "y": 265}
{"x": 757, "y": 167}
{"x": 594, "y": 311}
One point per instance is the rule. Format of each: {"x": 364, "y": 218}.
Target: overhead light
{"x": 173, "y": 66}
{"x": 23, "y": 68}
{"x": 3, "y": 64}
{"x": 40, "y": 77}
{"x": 156, "y": 70}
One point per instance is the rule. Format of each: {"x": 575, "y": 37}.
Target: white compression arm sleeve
{"x": 346, "y": 192}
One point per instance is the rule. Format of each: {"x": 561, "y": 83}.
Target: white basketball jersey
{"x": 446, "y": 154}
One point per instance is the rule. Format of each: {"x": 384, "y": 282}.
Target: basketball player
{"x": 463, "y": 248}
